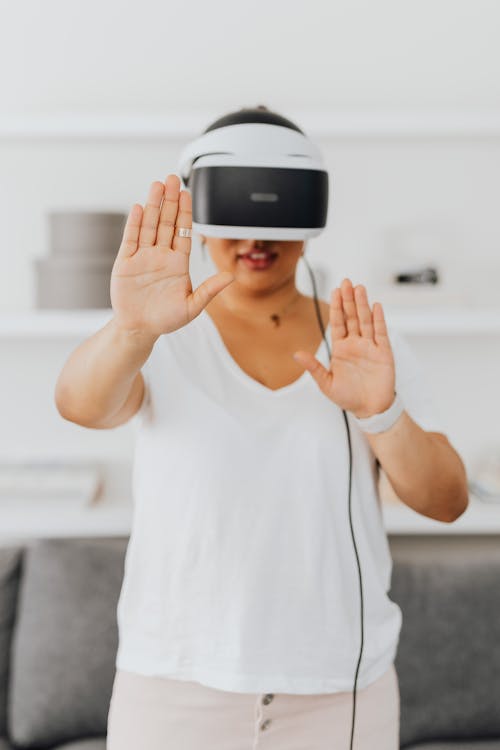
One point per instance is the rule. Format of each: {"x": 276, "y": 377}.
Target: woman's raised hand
{"x": 150, "y": 286}
{"x": 361, "y": 376}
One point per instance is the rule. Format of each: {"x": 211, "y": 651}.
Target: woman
{"x": 239, "y": 611}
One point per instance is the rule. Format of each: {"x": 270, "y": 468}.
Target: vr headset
{"x": 254, "y": 174}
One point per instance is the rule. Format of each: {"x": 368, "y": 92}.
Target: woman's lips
{"x": 258, "y": 263}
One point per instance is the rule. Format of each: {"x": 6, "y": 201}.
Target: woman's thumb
{"x": 206, "y": 291}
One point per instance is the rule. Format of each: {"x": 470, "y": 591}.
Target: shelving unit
{"x": 431, "y": 321}
{"x": 113, "y": 517}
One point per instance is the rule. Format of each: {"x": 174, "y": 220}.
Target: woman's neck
{"x": 257, "y": 306}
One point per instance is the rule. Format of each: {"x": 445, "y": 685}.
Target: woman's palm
{"x": 361, "y": 375}
{"x": 151, "y": 288}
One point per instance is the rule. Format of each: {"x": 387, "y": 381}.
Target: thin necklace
{"x": 276, "y": 317}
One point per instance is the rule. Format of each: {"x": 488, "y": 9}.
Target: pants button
{"x": 265, "y": 724}
{"x": 267, "y": 698}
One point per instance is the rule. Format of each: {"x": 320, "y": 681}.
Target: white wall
{"x": 96, "y": 59}
{"x": 118, "y": 56}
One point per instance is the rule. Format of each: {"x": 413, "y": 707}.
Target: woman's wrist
{"x": 384, "y": 420}
{"x": 136, "y": 338}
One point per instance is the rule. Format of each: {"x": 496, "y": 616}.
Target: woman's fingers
{"x": 169, "y": 210}
{"x": 364, "y": 314}
{"x": 184, "y": 219}
{"x": 381, "y": 335}
{"x": 131, "y": 232}
{"x": 167, "y": 207}
{"x": 206, "y": 291}
{"x": 147, "y": 234}
{"x": 337, "y": 321}
{"x": 350, "y": 313}
{"x": 349, "y": 305}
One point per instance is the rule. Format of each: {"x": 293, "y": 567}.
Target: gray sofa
{"x": 58, "y": 641}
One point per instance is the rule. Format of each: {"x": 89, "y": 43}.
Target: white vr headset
{"x": 255, "y": 179}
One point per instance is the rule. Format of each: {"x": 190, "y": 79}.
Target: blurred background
{"x": 97, "y": 101}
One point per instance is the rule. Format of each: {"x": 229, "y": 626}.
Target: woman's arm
{"x": 423, "y": 468}
{"x": 425, "y": 471}
{"x": 100, "y": 385}
{"x": 151, "y": 295}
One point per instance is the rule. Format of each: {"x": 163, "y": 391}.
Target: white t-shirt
{"x": 240, "y": 571}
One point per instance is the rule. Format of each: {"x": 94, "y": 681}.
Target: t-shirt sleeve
{"x": 413, "y": 385}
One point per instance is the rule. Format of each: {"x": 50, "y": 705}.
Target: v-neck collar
{"x": 247, "y": 379}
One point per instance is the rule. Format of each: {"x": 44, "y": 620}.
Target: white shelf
{"x": 408, "y": 320}
{"x": 188, "y": 124}
{"x": 443, "y": 320}
{"x": 114, "y": 518}
{"x": 106, "y": 518}
{"x": 479, "y": 518}
{"x": 53, "y": 323}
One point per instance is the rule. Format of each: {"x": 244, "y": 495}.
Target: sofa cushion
{"x": 65, "y": 641}
{"x": 95, "y": 743}
{"x": 10, "y": 570}
{"x": 448, "y": 659}
{"x": 454, "y": 745}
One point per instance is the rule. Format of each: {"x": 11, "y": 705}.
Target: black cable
{"x": 318, "y": 313}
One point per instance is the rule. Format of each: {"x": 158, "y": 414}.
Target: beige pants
{"x": 160, "y": 713}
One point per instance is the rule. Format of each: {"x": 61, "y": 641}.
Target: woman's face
{"x": 276, "y": 268}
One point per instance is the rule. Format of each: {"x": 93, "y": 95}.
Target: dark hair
{"x": 253, "y": 114}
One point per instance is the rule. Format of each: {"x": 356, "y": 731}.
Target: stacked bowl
{"x": 83, "y": 248}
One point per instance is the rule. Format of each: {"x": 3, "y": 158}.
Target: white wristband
{"x": 384, "y": 420}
